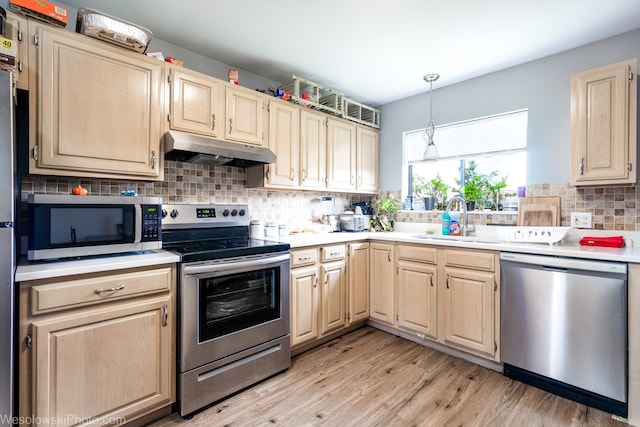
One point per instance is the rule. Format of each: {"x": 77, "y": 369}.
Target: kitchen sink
{"x": 469, "y": 239}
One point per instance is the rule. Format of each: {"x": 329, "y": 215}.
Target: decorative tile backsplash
{"x": 612, "y": 208}
{"x": 196, "y": 183}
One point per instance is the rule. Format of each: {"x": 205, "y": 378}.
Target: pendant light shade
{"x": 431, "y": 152}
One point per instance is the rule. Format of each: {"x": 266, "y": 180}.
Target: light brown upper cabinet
{"x": 96, "y": 110}
{"x": 245, "y": 115}
{"x": 341, "y": 155}
{"x": 313, "y": 149}
{"x": 603, "y": 125}
{"x": 196, "y": 102}
{"x": 367, "y": 159}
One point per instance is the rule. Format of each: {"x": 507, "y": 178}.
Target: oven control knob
{"x": 241, "y": 212}
{"x": 225, "y": 212}
{"x": 174, "y": 213}
{"x": 234, "y": 212}
{"x": 164, "y": 213}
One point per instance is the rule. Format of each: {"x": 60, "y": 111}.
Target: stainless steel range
{"x": 233, "y": 302}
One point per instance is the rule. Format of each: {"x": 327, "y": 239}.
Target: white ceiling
{"x": 375, "y": 51}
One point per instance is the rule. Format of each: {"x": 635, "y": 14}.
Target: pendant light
{"x": 431, "y": 152}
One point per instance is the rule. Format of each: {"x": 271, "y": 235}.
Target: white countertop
{"x": 568, "y": 247}
{"x": 407, "y": 233}
{"x": 33, "y": 270}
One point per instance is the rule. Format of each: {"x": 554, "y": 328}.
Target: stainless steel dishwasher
{"x": 564, "y": 327}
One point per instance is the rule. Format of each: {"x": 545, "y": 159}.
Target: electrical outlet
{"x": 581, "y": 219}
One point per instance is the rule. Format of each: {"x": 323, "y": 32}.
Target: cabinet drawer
{"x": 304, "y": 257}
{"x": 63, "y": 295}
{"x": 418, "y": 253}
{"x": 469, "y": 259}
{"x": 332, "y": 253}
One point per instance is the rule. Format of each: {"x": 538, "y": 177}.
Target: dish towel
{"x": 609, "y": 242}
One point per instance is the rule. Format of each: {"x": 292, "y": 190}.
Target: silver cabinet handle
{"x": 213, "y": 125}
{"x": 335, "y": 253}
{"x": 293, "y": 174}
{"x": 102, "y": 291}
{"x": 307, "y": 258}
{"x": 315, "y": 284}
{"x": 304, "y": 175}
{"x": 582, "y": 166}
{"x": 154, "y": 159}
{"x": 326, "y": 276}
{"x": 165, "y": 315}
{"x": 230, "y": 125}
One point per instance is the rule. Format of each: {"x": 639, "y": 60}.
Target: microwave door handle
{"x": 138, "y": 228}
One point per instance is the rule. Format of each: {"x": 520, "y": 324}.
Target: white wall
{"x": 542, "y": 86}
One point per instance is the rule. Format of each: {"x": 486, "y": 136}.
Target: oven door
{"x": 231, "y": 305}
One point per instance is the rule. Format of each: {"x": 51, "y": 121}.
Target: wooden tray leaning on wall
{"x": 539, "y": 211}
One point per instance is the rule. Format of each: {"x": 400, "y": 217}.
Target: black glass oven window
{"x": 238, "y": 301}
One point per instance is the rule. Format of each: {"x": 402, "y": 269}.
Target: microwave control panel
{"x": 151, "y": 222}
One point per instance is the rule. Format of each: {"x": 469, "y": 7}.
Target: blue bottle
{"x": 446, "y": 220}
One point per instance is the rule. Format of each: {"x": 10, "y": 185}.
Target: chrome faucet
{"x": 463, "y": 207}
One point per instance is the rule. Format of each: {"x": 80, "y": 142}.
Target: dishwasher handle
{"x": 564, "y": 263}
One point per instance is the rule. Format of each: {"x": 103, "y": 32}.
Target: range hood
{"x": 187, "y": 147}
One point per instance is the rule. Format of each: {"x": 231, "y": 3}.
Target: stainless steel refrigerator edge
{"x": 7, "y": 242}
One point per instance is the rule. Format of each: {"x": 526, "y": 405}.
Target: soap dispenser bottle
{"x": 446, "y": 221}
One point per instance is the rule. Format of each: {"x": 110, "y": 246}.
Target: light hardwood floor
{"x": 372, "y": 378}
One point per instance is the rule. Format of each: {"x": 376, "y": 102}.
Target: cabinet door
{"x": 341, "y": 155}
{"x": 367, "y": 159}
{"x": 469, "y": 309}
{"x": 603, "y": 125}
{"x": 98, "y": 109}
{"x": 284, "y": 140}
{"x": 333, "y": 309}
{"x": 196, "y": 102}
{"x": 304, "y": 305}
{"x": 103, "y": 364}
{"x": 358, "y": 278}
{"x": 245, "y": 115}
{"x": 313, "y": 150}
{"x": 381, "y": 290}
{"x": 417, "y": 297}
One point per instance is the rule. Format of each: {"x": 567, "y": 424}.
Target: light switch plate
{"x": 581, "y": 219}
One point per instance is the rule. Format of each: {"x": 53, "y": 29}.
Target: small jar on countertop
{"x": 256, "y": 229}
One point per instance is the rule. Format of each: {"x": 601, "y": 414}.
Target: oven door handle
{"x": 234, "y": 265}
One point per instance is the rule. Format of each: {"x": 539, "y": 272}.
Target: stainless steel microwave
{"x": 61, "y": 226}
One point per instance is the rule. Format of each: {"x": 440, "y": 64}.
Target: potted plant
{"x": 495, "y": 188}
{"x": 383, "y": 214}
{"x": 441, "y": 191}
{"x": 426, "y": 191}
{"x": 472, "y": 191}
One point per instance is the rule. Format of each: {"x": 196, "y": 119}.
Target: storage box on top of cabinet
{"x": 361, "y": 113}
{"x": 314, "y": 95}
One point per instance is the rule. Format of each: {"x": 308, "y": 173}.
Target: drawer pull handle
{"x": 165, "y": 315}
{"x": 102, "y": 291}
{"x": 306, "y": 258}
{"x": 335, "y": 253}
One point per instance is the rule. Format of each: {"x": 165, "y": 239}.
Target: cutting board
{"x": 539, "y": 211}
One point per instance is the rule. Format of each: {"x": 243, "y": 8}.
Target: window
{"x": 493, "y": 148}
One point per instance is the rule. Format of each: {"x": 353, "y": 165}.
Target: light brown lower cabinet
{"x": 102, "y": 360}
{"x": 381, "y": 283}
{"x": 329, "y": 290}
{"x": 450, "y": 296}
